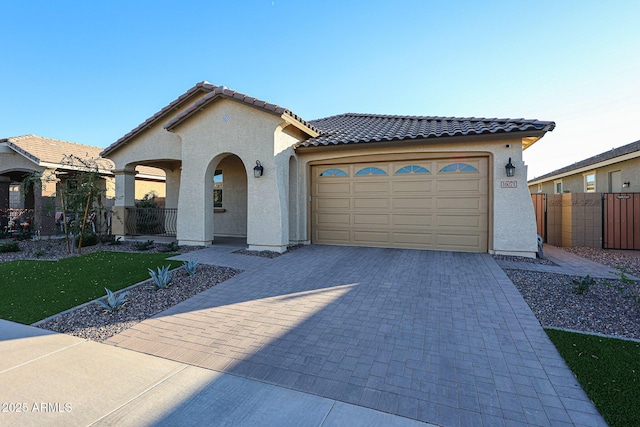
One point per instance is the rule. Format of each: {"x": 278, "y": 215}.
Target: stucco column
{"x": 514, "y": 220}
{"x": 172, "y": 188}
{"x": 195, "y": 219}
{"x": 125, "y": 198}
{"x": 267, "y": 211}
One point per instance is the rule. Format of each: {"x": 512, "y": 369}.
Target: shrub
{"x": 583, "y": 284}
{"x": 88, "y": 239}
{"x": 162, "y": 277}
{"x": 143, "y": 246}
{"x": 9, "y": 247}
{"x": 191, "y": 266}
{"x": 171, "y": 247}
{"x": 112, "y": 302}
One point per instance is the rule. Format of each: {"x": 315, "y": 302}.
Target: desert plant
{"x": 191, "y": 266}
{"x": 162, "y": 277}
{"x": 112, "y": 302}
{"x": 143, "y": 246}
{"x": 171, "y": 247}
{"x": 9, "y": 247}
{"x": 583, "y": 284}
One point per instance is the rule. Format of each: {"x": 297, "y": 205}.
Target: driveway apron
{"x": 440, "y": 337}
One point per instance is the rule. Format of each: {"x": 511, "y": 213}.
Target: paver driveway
{"x": 440, "y": 337}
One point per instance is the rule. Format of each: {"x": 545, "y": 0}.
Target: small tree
{"x": 79, "y": 192}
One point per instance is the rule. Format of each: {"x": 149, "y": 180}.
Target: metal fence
{"x": 151, "y": 221}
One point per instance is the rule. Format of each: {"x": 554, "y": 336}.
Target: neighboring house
{"x": 239, "y": 166}
{"x": 22, "y": 155}
{"x": 614, "y": 171}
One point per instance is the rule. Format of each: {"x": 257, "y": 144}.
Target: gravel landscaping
{"x": 610, "y": 307}
{"x": 92, "y": 322}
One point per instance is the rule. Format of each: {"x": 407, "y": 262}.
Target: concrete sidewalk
{"x": 566, "y": 263}
{"x": 50, "y": 379}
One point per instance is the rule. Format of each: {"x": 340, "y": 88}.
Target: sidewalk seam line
{"x": 43, "y": 356}
{"x": 145, "y": 391}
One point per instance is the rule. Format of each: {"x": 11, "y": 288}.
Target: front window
{"x": 217, "y": 189}
{"x": 558, "y": 186}
{"x": 590, "y": 182}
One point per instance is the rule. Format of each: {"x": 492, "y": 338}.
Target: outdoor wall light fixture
{"x": 626, "y": 184}
{"x": 257, "y": 169}
{"x": 510, "y": 168}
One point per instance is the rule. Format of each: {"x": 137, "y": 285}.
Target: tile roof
{"x": 47, "y": 150}
{"x": 202, "y": 86}
{"x": 352, "y": 128}
{"x": 602, "y": 157}
{"x": 223, "y": 92}
{"x": 42, "y": 150}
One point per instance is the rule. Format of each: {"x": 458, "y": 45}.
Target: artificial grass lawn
{"x": 33, "y": 290}
{"x": 608, "y": 370}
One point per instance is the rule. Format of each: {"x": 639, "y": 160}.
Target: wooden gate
{"x": 621, "y": 221}
{"x": 540, "y": 208}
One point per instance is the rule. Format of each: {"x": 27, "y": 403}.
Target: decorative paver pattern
{"x": 440, "y": 337}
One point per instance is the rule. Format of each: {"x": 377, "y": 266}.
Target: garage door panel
{"x": 413, "y": 240}
{"x": 371, "y": 203}
{"x": 458, "y": 185}
{"x": 370, "y": 219}
{"x": 413, "y": 186}
{"x": 332, "y": 203}
{"x": 415, "y": 220}
{"x": 332, "y": 219}
{"x": 371, "y": 187}
{"x": 404, "y": 203}
{"x": 459, "y": 203}
{"x": 462, "y": 221}
{"x": 332, "y": 188}
{"x": 334, "y": 236}
{"x": 372, "y": 237}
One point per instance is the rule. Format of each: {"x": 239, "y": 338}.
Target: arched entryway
{"x": 229, "y": 197}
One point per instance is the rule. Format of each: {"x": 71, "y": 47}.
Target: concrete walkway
{"x": 567, "y": 263}
{"x": 320, "y": 336}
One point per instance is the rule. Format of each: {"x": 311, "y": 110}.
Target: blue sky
{"x": 89, "y": 71}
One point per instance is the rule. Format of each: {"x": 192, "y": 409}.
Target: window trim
{"x": 585, "y": 177}
{"x": 555, "y": 186}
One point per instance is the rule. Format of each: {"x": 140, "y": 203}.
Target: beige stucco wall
{"x": 229, "y": 127}
{"x": 512, "y": 225}
{"x": 144, "y": 187}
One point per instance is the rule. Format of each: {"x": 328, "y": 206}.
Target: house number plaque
{"x": 509, "y": 184}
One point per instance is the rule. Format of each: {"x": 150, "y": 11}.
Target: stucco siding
{"x": 231, "y": 218}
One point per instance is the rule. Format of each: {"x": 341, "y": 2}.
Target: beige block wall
{"x": 144, "y": 187}
{"x": 574, "y": 219}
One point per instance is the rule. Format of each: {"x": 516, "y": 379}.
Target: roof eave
{"x": 585, "y": 168}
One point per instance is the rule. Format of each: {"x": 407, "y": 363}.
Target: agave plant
{"x": 191, "y": 266}
{"x": 162, "y": 277}
{"x": 112, "y": 302}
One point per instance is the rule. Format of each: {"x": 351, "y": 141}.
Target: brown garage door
{"x": 428, "y": 204}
